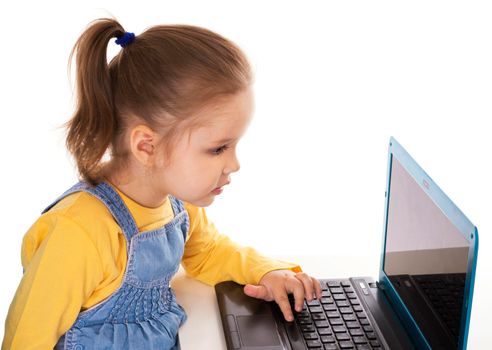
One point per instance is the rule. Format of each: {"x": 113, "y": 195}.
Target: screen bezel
{"x": 454, "y": 214}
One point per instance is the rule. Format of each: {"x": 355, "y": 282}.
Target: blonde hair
{"x": 162, "y": 77}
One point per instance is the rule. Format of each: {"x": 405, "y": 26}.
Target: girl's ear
{"x": 142, "y": 144}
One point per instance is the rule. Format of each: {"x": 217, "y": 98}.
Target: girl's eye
{"x": 219, "y": 150}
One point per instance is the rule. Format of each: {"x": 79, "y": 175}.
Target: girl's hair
{"x": 160, "y": 79}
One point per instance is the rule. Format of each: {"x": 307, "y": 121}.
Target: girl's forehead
{"x": 221, "y": 130}
{"x": 225, "y": 120}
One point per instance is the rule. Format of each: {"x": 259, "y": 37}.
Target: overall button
{"x": 78, "y": 347}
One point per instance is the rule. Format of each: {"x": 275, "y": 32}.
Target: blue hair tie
{"x": 125, "y": 39}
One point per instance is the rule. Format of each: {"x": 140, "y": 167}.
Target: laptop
{"x": 421, "y": 300}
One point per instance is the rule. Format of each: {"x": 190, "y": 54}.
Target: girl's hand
{"x": 275, "y": 285}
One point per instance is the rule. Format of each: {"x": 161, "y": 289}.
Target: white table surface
{"x": 203, "y": 328}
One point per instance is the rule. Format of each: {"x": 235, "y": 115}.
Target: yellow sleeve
{"x": 211, "y": 257}
{"x": 61, "y": 269}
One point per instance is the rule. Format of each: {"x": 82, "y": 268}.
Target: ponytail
{"x": 92, "y": 126}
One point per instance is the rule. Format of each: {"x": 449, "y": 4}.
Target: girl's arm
{"x": 212, "y": 257}
{"x": 61, "y": 269}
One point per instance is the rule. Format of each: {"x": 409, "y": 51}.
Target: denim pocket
{"x": 155, "y": 256}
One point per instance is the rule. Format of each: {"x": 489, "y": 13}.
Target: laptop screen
{"x": 425, "y": 259}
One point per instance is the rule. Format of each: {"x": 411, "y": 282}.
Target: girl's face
{"x": 204, "y": 158}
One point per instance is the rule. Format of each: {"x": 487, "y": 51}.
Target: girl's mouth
{"x": 218, "y": 190}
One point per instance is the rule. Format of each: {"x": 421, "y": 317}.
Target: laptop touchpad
{"x": 258, "y": 330}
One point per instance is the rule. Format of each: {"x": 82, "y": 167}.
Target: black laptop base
{"x": 352, "y": 314}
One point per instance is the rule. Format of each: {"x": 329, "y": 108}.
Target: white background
{"x": 334, "y": 80}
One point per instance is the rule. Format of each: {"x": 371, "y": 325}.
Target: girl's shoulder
{"x": 79, "y": 225}
{"x": 79, "y": 213}
{"x": 84, "y": 209}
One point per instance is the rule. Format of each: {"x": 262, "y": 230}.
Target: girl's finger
{"x": 297, "y": 288}
{"x": 307, "y": 283}
{"x": 317, "y": 287}
{"x": 282, "y": 300}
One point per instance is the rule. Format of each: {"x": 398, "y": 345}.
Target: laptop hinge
{"x": 380, "y": 286}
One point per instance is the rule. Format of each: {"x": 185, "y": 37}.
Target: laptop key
{"x": 307, "y": 328}
{"x": 346, "y": 310}
{"x": 336, "y": 321}
{"x": 304, "y": 320}
{"x": 349, "y": 317}
{"x": 351, "y": 295}
{"x": 331, "y": 347}
{"x": 359, "y": 340}
{"x": 314, "y": 344}
{"x": 325, "y": 331}
{"x": 342, "y": 336}
{"x": 375, "y": 344}
{"x": 321, "y": 324}
{"x": 363, "y": 347}
{"x": 311, "y": 336}
{"x": 328, "y": 339}
{"x": 361, "y": 314}
{"x": 371, "y": 335}
{"x": 357, "y": 308}
{"x": 342, "y": 303}
{"x": 326, "y": 300}
{"x": 315, "y": 309}
{"x": 352, "y": 324}
{"x": 339, "y": 329}
{"x": 368, "y": 329}
{"x": 346, "y": 344}
{"x": 356, "y": 332}
{"x": 303, "y": 313}
{"x": 330, "y": 307}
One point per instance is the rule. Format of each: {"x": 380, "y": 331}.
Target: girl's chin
{"x": 203, "y": 202}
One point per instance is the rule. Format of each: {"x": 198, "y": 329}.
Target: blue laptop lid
{"x": 429, "y": 256}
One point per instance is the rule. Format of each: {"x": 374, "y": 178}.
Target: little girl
{"x": 154, "y": 136}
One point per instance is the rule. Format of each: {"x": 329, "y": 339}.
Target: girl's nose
{"x": 232, "y": 166}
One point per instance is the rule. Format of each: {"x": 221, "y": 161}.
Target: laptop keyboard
{"x": 337, "y": 320}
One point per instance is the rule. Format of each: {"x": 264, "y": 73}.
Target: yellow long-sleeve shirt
{"x": 74, "y": 256}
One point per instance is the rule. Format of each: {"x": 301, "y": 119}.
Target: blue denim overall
{"x": 142, "y": 313}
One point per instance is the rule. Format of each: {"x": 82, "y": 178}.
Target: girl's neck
{"x": 138, "y": 189}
